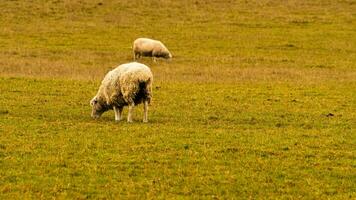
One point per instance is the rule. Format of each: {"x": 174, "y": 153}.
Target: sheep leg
{"x": 137, "y": 55}
{"x": 154, "y": 59}
{"x": 145, "y": 109}
{"x": 129, "y": 115}
{"x": 118, "y": 113}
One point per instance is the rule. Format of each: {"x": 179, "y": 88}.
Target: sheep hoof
{"x": 145, "y": 121}
{"x": 129, "y": 121}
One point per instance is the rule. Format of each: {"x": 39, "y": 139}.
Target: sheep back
{"x": 128, "y": 83}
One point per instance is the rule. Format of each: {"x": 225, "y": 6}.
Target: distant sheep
{"x": 150, "y": 48}
{"x": 126, "y": 85}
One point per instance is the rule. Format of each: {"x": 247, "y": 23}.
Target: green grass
{"x": 223, "y": 140}
{"x": 258, "y": 102}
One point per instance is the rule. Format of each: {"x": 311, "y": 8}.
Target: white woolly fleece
{"x": 120, "y": 85}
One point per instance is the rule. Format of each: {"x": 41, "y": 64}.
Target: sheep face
{"x": 163, "y": 54}
{"x": 98, "y": 108}
{"x": 168, "y": 56}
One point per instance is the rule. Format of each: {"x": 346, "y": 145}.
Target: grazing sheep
{"x": 150, "y": 48}
{"x": 128, "y": 84}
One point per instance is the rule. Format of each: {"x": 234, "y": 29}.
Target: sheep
{"x": 127, "y": 85}
{"x": 150, "y": 48}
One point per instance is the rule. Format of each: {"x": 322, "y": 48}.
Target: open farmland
{"x": 259, "y": 100}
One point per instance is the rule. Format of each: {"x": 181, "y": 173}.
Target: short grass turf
{"x": 222, "y": 140}
{"x": 258, "y": 101}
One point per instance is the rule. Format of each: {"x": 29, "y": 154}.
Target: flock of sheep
{"x": 129, "y": 84}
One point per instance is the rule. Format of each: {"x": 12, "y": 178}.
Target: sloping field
{"x": 258, "y": 101}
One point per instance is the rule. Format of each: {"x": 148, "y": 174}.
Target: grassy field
{"x": 259, "y": 101}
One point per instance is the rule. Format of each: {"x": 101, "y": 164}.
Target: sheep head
{"x": 168, "y": 56}
{"x": 98, "y": 107}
